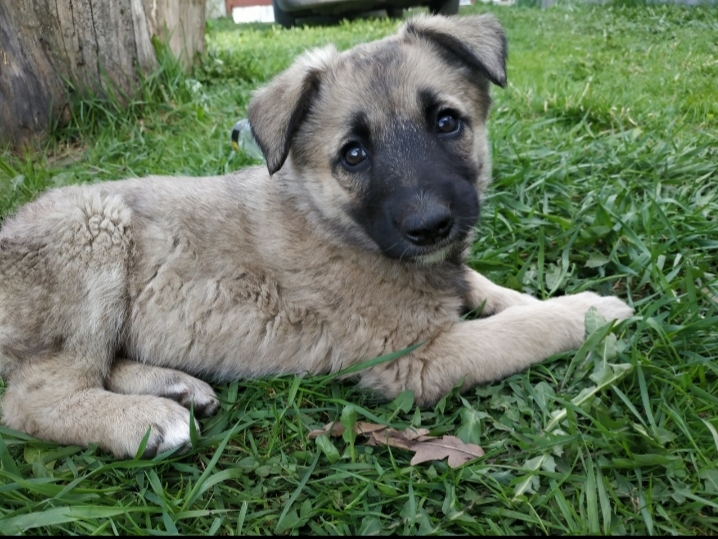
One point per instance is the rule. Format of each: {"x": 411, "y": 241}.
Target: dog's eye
{"x": 447, "y": 122}
{"x": 354, "y": 155}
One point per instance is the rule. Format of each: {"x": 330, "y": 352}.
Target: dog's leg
{"x": 54, "y": 400}
{"x": 492, "y": 297}
{"x": 63, "y": 301}
{"x": 492, "y": 348}
{"x": 133, "y": 378}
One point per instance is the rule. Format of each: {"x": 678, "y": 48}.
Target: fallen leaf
{"x": 330, "y": 429}
{"x": 424, "y": 446}
{"x": 396, "y": 438}
{"x": 337, "y": 429}
{"x": 430, "y": 448}
{"x": 362, "y": 427}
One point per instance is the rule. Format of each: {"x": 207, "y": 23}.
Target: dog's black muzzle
{"x": 421, "y": 199}
{"x": 415, "y": 222}
{"x": 428, "y": 228}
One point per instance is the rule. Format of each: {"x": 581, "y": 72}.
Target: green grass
{"x": 606, "y": 179}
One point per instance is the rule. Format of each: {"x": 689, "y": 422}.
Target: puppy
{"x": 349, "y": 245}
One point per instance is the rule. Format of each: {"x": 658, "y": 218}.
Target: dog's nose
{"x": 428, "y": 229}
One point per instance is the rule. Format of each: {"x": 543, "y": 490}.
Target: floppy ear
{"x": 277, "y": 109}
{"x": 478, "y": 41}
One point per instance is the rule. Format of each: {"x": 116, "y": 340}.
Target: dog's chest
{"x": 247, "y": 322}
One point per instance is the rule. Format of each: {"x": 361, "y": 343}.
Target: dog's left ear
{"x": 478, "y": 41}
{"x": 277, "y": 109}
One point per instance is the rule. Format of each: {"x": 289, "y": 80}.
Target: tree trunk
{"x": 90, "y": 45}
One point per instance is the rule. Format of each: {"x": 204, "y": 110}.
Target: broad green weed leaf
{"x": 470, "y": 430}
{"x": 328, "y": 448}
{"x": 403, "y": 401}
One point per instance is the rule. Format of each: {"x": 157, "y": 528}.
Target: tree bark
{"x": 182, "y": 22}
{"x": 90, "y": 46}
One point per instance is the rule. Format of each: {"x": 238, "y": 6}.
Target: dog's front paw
{"x": 188, "y": 389}
{"x": 169, "y": 429}
{"x": 610, "y": 307}
{"x": 175, "y": 432}
{"x": 132, "y": 378}
{"x": 613, "y": 308}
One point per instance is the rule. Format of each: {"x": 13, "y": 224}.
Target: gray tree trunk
{"x": 90, "y": 44}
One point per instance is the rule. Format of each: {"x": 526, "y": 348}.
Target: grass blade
{"x": 280, "y": 528}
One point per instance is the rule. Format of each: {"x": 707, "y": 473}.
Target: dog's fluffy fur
{"x": 111, "y": 293}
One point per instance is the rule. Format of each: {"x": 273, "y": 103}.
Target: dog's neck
{"x": 329, "y": 239}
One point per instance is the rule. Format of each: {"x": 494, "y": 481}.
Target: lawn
{"x": 605, "y": 178}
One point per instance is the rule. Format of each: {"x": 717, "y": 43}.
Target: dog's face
{"x": 387, "y": 140}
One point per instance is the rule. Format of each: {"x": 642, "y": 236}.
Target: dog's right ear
{"x": 475, "y": 40}
{"x": 277, "y": 109}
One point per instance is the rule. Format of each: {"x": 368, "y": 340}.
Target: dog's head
{"x": 387, "y": 140}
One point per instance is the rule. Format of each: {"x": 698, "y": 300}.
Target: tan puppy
{"x": 349, "y": 248}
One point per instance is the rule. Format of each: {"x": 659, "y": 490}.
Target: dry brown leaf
{"x": 424, "y": 446}
{"x": 397, "y": 438}
{"x": 362, "y": 427}
{"x": 414, "y": 434}
{"x": 430, "y": 448}
{"x": 337, "y": 429}
{"x": 330, "y": 429}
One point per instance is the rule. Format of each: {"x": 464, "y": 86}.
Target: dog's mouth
{"x": 427, "y": 255}
{"x": 434, "y": 255}
{"x": 423, "y": 238}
